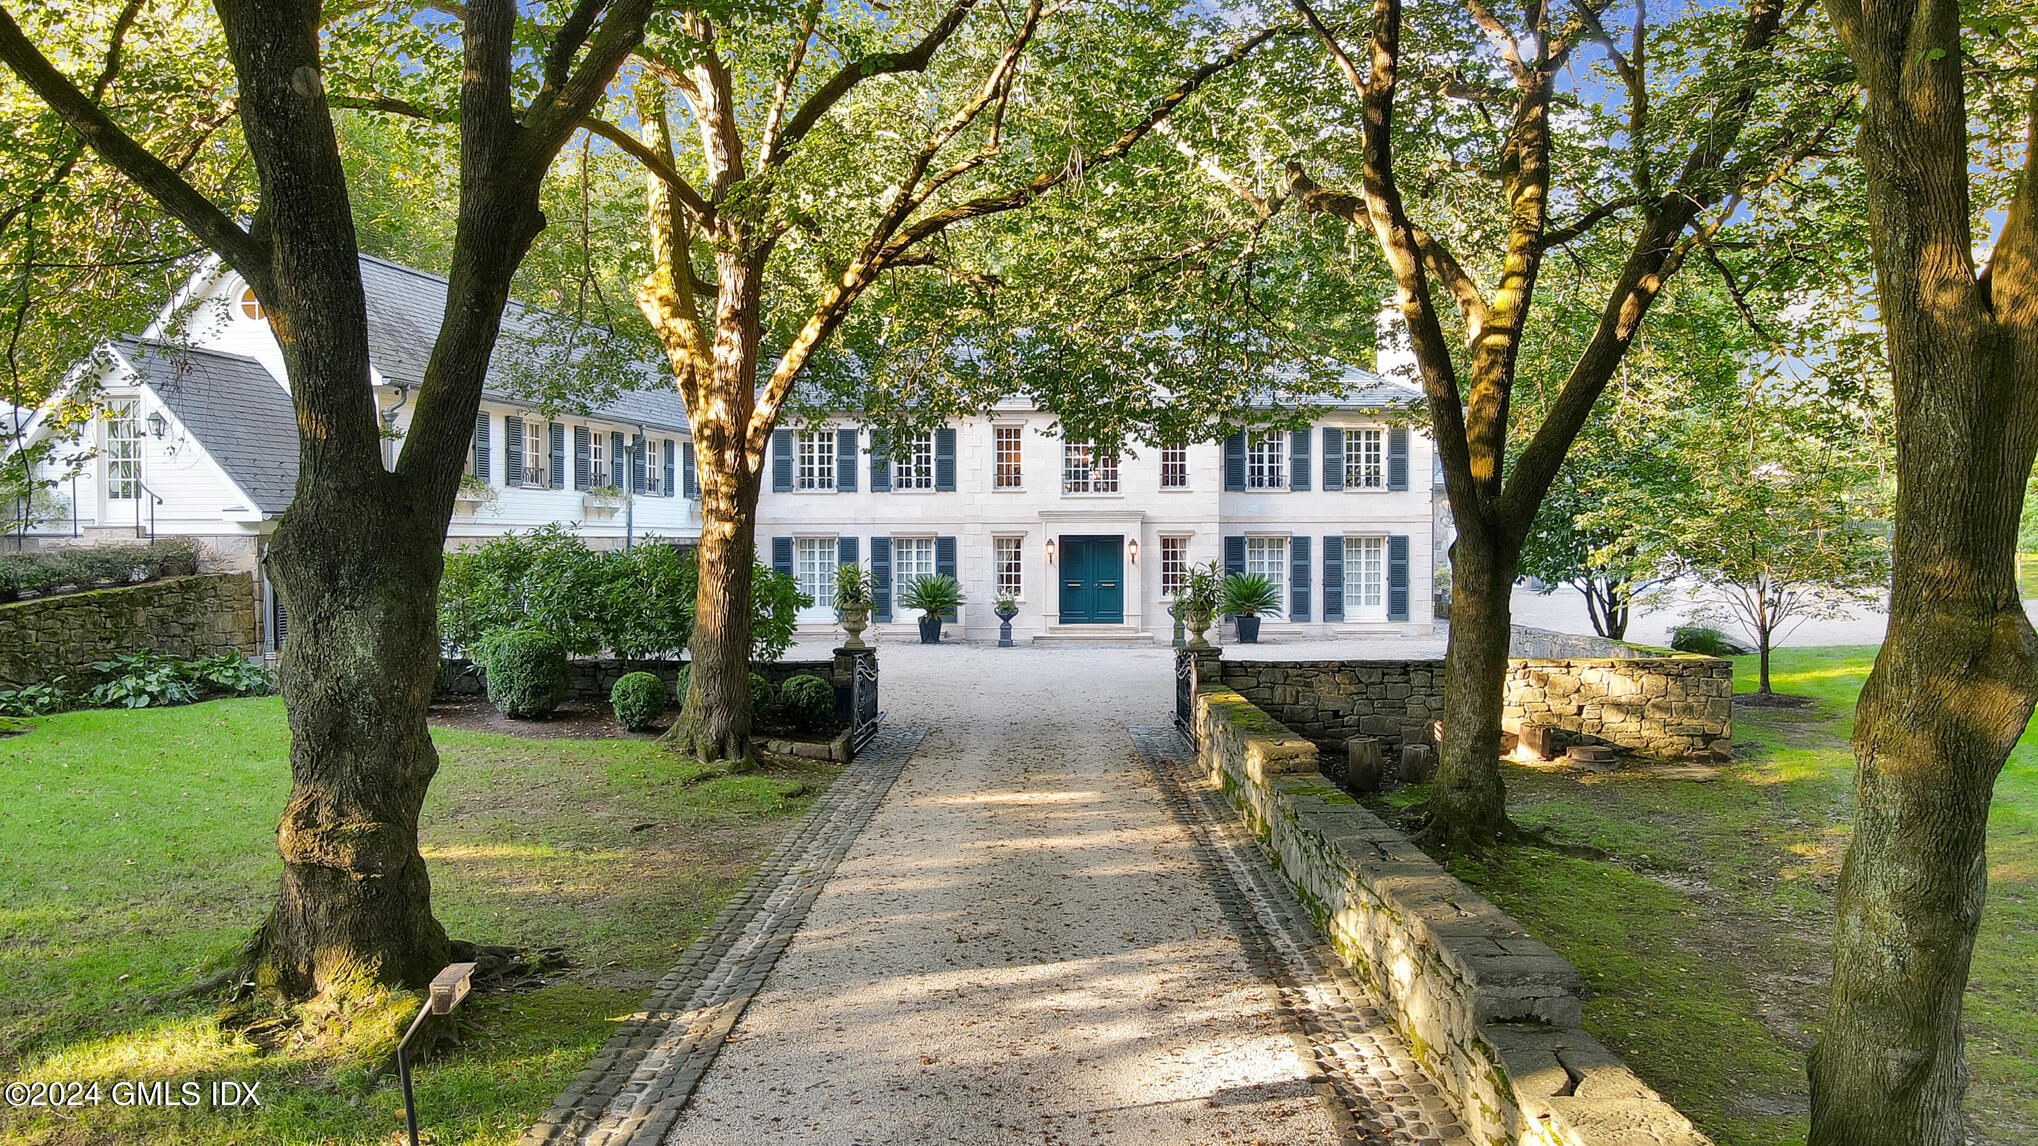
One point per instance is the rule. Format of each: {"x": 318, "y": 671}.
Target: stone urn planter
{"x": 1248, "y": 630}
{"x": 1005, "y": 613}
{"x": 855, "y": 619}
{"x": 930, "y": 630}
{"x": 1199, "y": 623}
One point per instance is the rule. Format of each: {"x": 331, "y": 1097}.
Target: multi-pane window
{"x": 913, "y": 464}
{"x": 1268, "y": 557}
{"x": 814, "y": 569}
{"x": 597, "y": 452}
{"x": 1006, "y": 560}
{"x": 1365, "y": 460}
{"x": 1006, "y": 438}
{"x": 1365, "y": 577}
{"x": 1087, "y": 469}
{"x": 123, "y": 450}
{"x": 535, "y": 443}
{"x": 1175, "y": 467}
{"x": 816, "y": 467}
{"x": 912, "y": 559}
{"x": 1174, "y": 564}
{"x": 1266, "y": 459}
{"x": 654, "y": 471}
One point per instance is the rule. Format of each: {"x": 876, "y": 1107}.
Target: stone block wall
{"x": 1523, "y": 641}
{"x": 1490, "y": 1011}
{"x": 592, "y": 678}
{"x": 184, "y": 617}
{"x": 1677, "y": 707}
{"x": 1673, "y": 707}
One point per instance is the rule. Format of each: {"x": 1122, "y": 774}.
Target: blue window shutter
{"x": 1298, "y": 461}
{"x": 637, "y": 447}
{"x": 1234, "y": 464}
{"x": 1298, "y": 578}
{"x": 1333, "y": 578}
{"x": 481, "y": 447}
{"x": 944, "y": 458}
{"x": 881, "y": 578}
{"x": 845, "y": 460}
{"x": 1234, "y": 555}
{"x": 782, "y": 555}
{"x": 583, "y": 473}
{"x": 880, "y": 470}
{"x": 1397, "y": 578}
{"x": 1333, "y": 462}
{"x": 781, "y": 461}
{"x": 619, "y": 474}
{"x": 1397, "y": 458}
{"x": 513, "y": 449}
{"x": 671, "y": 469}
{"x": 690, "y": 477}
{"x": 845, "y": 550}
{"x": 555, "y": 469}
{"x": 944, "y": 553}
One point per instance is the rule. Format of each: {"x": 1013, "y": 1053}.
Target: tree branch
{"x": 857, "y": 70}
{"x": 653, "y": 162}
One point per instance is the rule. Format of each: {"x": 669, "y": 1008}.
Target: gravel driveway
{"x": 1019, "y": 946}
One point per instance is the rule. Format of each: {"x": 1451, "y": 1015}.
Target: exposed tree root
{"x": 1426, "y": 832}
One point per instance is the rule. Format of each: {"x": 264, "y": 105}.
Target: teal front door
{"x": 1092, "y": 580}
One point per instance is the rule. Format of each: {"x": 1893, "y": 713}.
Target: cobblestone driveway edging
{"x": 634, "y": 1089}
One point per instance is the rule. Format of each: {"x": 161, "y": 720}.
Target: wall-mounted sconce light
{"x": 158, "y": 425}
{"x": 1050, "y": 551}
{"x": 1132, "y": 550}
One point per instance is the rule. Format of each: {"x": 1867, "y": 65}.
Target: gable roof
{"x": 405, "y": 307}
{"x": 234, "y": 408}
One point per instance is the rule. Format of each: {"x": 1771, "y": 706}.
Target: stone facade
{"x": 183, "y": 617}
{"x": 1490, "y": 1011}
{"x": 1678, "y": 707}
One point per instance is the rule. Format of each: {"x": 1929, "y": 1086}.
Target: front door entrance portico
{"x": 1092, "y": 580}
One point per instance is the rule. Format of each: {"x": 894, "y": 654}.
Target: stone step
{"x": 1093, "y": 635}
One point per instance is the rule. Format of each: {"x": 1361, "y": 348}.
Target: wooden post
{"x": 1364, "y": 764}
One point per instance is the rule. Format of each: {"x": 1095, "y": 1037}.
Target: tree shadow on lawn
{"x": 137, "y": 853}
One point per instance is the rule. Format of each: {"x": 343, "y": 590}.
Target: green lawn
{"x": 137, "y": 853}
{"x": 1704, "y": 938}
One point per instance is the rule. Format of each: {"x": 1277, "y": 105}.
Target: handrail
{"x": 155, "y": 499}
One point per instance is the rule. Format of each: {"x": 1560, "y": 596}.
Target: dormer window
{"x": 251, "y": 306}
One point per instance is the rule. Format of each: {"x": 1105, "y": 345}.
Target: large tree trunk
{"x": 1468, "y": 803}
{"x": 1955, "y": 682}
{"x": 714, "y": 720}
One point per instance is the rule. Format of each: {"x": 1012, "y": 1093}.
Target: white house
{"x": 195, "y": 435}
{"x": 1339, "y": 516}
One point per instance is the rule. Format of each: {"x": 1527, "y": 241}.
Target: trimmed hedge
{"x": 1704, "y": 640}
{"x": 48, "y": 571}
{"x": 762, "y": 696}
{"x": 808, "y": 701}
{"x": 526, "y": 672}
{"x": 638, "y": 700}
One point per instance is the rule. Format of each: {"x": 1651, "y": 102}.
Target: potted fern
{"x": 852, "y": 602}
{"x": 1245, "y": 597}
{"x": 935, "y": 597}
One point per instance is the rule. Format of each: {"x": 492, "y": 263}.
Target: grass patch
{"x": 1704, "y": 939}
{"x": 137, "y": 853}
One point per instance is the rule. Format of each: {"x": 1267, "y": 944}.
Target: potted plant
{"x": 474, "y": 492}
{"x": 1197, "y": 601}
{"x": 1006, "y": 606}
{"x": 934, "y": 596}
{"x": 852, "y": 602}
{"x": 603, "y": 501}
{"x": 1245, "y": 597}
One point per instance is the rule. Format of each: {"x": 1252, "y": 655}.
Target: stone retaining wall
{"x": 184, "y": 617}
{"x": 592, "y": 678}
{"x": 1523, "y": 641}
{"x": 1673, "y": 707}
{"x": 1490, "y": 1011}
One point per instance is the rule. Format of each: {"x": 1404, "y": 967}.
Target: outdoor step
{"x": 1093, "y": 635}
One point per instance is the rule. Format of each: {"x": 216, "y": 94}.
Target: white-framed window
{"x": 1174, "y": 564}
{"x": 1175, "y": 467}
{"x": 654, "y": 466}
{"x": 537, "y": 451}
{"x": 251, "y": 307}
{"x": 913, "y": 462}
{"x": 1268, "y": 557}
{"x": 1365, "y": 578}
{"x": 912, "y": 559}
{"x": 1008, "y": 562}
{"x": 1266, "y": 459}
{"x": 597, "y": 453}
{"x": 815, "y": 465}
{"x": 1087, "y": 469}
{"x": 1006, "y": 439}
{"x": 123, "y": 449}
{"x": 814, "y": 561}
{"x": 1365, "y": 459}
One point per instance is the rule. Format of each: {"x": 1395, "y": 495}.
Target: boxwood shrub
{"x": 638, "y": 700}
{"x": 808, "y": 701}
{"x": 526, "y": 672}
{"x": 762, "y": 696}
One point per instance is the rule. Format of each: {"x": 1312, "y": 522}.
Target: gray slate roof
{"x": 405, "y": 307}
{"x": 235, "y": 409}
